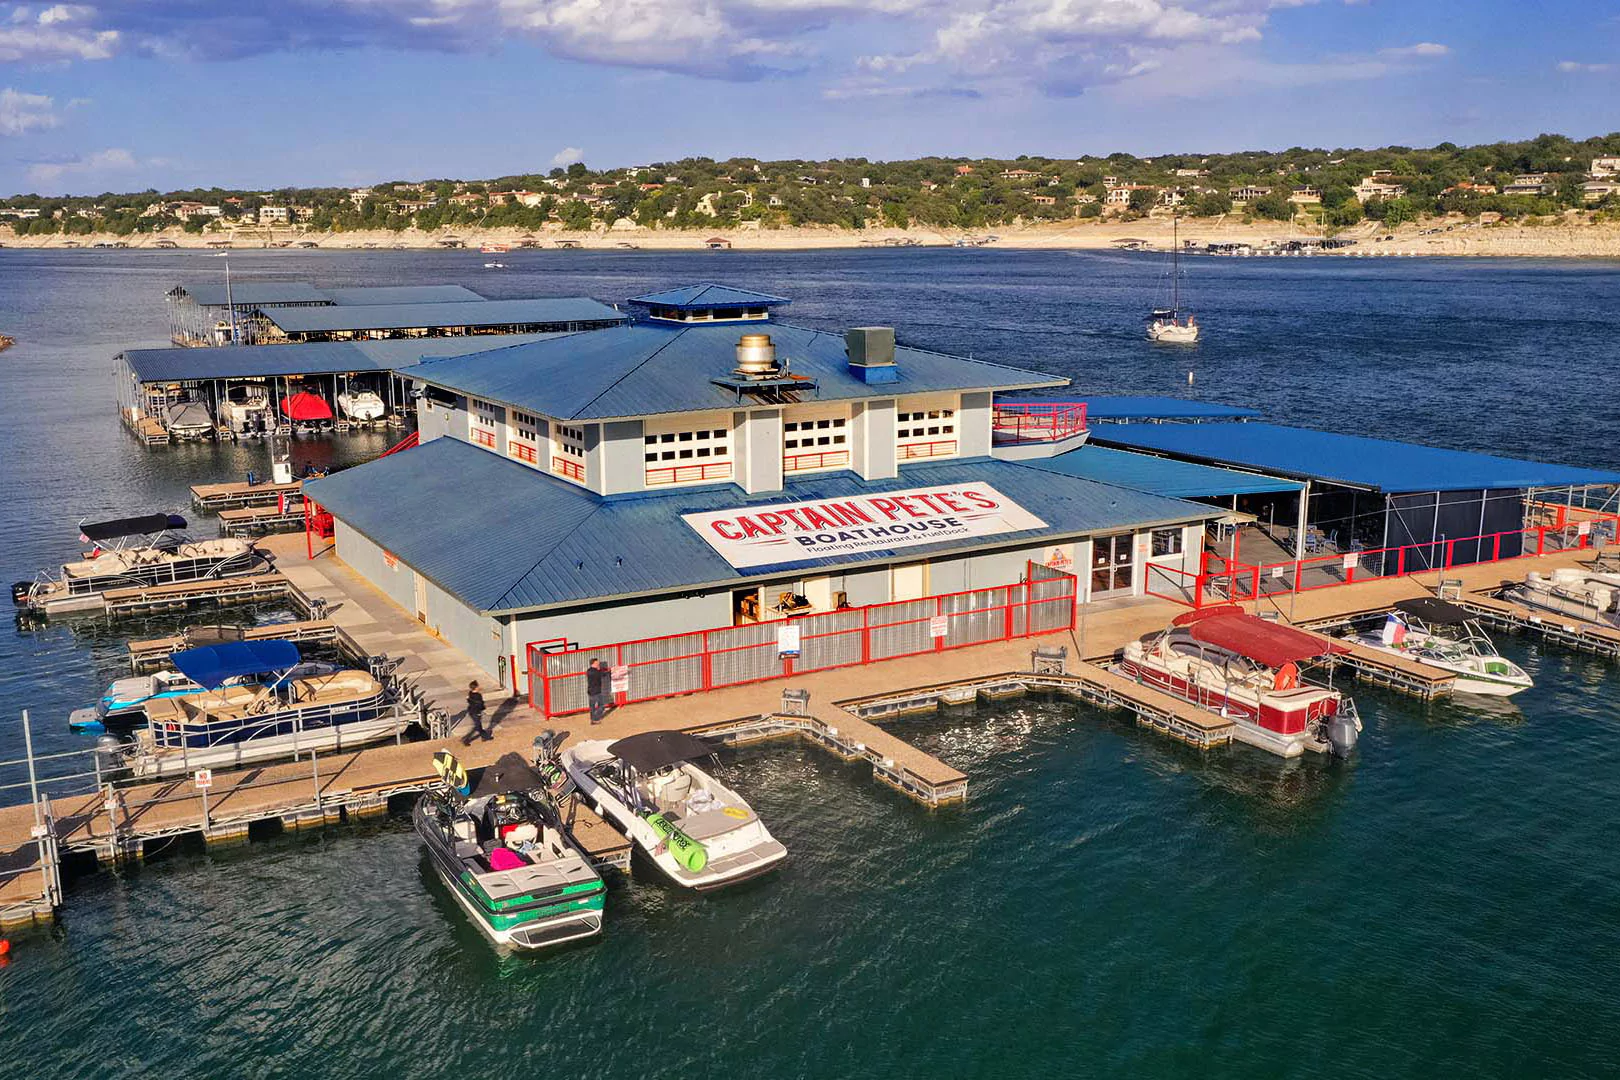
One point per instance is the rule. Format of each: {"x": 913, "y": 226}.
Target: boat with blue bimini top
{"x": 151, "y": 549}
{"x": 123, "y": 705}
{"x": 698, "y": 832}
{"x": 258, "y": 703}
{"x": 501, "y": 849}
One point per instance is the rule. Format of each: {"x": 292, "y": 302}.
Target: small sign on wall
{"x": 939, "y": 626}
{"x": 787, "y": 639}
{"x": 620, "y": 681}
{"x": 1350, "y": 561}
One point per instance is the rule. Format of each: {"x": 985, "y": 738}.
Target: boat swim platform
{"x": 241, "y": 493}
{"x": 154, "y": 653}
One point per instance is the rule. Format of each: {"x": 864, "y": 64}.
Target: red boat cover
{"x": 1270, "y": 643}
{"x": 306, "y": 406}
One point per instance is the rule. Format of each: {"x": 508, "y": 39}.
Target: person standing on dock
{"x": 597, "y": 684}
{"x": 475, "y": 713}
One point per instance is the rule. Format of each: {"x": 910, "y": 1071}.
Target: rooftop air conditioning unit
{"x": 871, "y": 354}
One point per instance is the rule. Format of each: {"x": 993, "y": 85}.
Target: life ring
{"x": 735, "y": 812}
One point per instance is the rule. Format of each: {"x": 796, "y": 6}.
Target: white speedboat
{"x": 697, "y": 831}
{"x": 246, "y": 409}
{"x": 1442, "y": 635}
{"x": 1589, "y": 595}
{"x": 279, "y": 713}
{"x": 501, "y": 849}
{"x": 1247, "y": 669}
{"x": 361, "y": 405}
{"x": 188, "y": 421}
{"x": 146, "y": 550}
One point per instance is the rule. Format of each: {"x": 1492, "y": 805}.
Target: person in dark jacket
{"x": 475, "y": 713}
{"x": 599, "y": 688}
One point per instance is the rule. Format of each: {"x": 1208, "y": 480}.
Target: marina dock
{"x": 241, "y": 493}
{"x": 255, "y": 521}
{"x": 150, "y": 653}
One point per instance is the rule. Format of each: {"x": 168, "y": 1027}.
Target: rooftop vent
{"x": 756, "y": 357}
{"x": 871, "y": 354}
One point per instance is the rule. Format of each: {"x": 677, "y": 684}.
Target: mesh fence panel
{"x": 830, "y": 640}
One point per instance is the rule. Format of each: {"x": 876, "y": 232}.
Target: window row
{"x": 717, "y": 435}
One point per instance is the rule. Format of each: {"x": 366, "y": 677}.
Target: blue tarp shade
{"x": 211, "y": 665}
{"x": 1351, "y": 460}
{"x": 1159, "y": 476}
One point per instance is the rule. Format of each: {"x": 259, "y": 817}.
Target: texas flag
{"x": 1394, "y": 631}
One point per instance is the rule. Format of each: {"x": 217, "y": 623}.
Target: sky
{"x": 132, "y": 94}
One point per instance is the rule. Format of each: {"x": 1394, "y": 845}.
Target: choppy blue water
{"x": 1447, "y": 903}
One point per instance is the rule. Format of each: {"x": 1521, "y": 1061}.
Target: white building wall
{"x": 623, "y": 622}
{"x": 371, "y": 562}
{"x": 759, "y": 444}
{"x": 973, "y": 425}
{"x": 872, "y": 426}
{"x": 621, "y": 458}
{"x": 479, "y": 636}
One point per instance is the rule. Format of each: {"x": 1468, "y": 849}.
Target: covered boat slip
{"x": 1374, "y": 507}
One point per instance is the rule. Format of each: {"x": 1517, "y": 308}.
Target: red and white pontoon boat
{"x": 1245, "y": 668}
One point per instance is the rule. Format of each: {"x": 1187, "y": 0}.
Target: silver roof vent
{"x": 756, "y": 357}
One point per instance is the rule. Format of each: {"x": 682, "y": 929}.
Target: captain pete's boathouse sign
{"x": 784, "y": 533}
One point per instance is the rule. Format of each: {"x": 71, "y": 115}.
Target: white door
{"x": 421, "y": 598}
{"x": 909, "y": 582}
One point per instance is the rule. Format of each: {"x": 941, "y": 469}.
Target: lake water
{"x": 1445, "y": 903}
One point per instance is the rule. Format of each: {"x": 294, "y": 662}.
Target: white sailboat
{"x": 1166, "y": 324}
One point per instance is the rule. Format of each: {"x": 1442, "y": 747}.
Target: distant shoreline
{"x": 1434, "y": 237}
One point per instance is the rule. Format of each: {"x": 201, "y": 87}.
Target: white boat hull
{"x": 231, "y": 755}
{"x": 1173, "y": 333}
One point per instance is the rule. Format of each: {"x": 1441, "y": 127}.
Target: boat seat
{"x": 466, "y": 849}
{"x": 671, "y": 790}
{"x": 465, "y": 829}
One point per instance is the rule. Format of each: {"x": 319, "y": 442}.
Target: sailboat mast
{"x": 1175, "y": 265}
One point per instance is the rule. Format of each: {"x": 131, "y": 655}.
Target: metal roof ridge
{"x": 674, "y": 333}
{"x": 521, "y": 578}
{"x": 552, "y": 336}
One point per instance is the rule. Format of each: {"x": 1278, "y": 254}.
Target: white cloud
{"x": 98, "y": 163}
{"x": 22, "y": 112}
{"x": 1421, "y": 50}
{"x": 55, "y": 35}
{"x": 568, "y": 155}
{"x": 1576, "y": 65}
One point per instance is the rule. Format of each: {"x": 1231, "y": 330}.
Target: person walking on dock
{"x": 598, "y": 684}
{"x": 475, "y": 713}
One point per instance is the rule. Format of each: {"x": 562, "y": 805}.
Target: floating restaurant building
{"x": 697, "y": 480}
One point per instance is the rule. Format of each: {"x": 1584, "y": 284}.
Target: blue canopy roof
{"x": 546, "y": 543}
{"x": 550, "y": 311}
{"x": 1350, "y": 460}
{"x": 1159, "y": 475}
{"x": 648, "y": 368}
{"x": 401, "y": 294}
{"x": 212, "y": 293}
{"x": 691, "y": 297}
{"x": 1150, "y": 407}
{"x": 311, "y": 358}
{"x": 211, "y": 665}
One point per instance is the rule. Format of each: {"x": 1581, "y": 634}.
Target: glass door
{"x": 1111, "y": 566}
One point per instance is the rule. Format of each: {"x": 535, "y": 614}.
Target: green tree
{"x": 575, "y": 215}
{"x": 1212, "y": 204}
{"x": 1142, "y": 200}
{"x": 1273, "y": 207}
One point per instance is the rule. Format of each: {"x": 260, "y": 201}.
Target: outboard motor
{"x": 1343, "y": 731}
{"x": 111, "y": 756}
{"x": 20, "y": 591}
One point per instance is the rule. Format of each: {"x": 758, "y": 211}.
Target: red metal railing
{"x": 937, "y": 448}
{"x": 574, "y": 470}
{"x": 523, "y": 451}
{"x": 406, "y": 443}
{"x": 754, "y": 652}
{"x": 686, "y": 474}
{"x": 1038, "y": 421}
{"x": 826, "y": 459}
{"x": 1225, "y": 580}
{"x": 483, "y": 437}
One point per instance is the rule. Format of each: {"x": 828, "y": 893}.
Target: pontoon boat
{"x": 246, "y": 409}
{"x": 1589, "y": 595}
{"x": 502, "y": 851}
{"x": 277, "y": 714}
{"x": 146, "y": 550}
{"x": 1247, "y": 669}
{"x": 1440, "y": 634}
{"x": 123, "y": 706}
{"x": 697, "y": 831}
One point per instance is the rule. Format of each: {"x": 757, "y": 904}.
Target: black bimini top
{"x": 144, "y": 525}
{"x": 1434, "y": 611}
{"x": 508, "y": 775}
{"x": 653, "y": 750}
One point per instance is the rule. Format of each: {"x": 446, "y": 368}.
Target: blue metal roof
{"x": 212, "y": 293}
{"x": 1158, "y": 475}
{"x": 1125, "y": 407}
{"x": 314, "y": 358}
{"x": 401, "y": 294}
{"x": 1353, "y": 460}
{"x": 649, "y": 368}
{"x": 692, "y": 297}
{"x": 549, "y": 311}
{"x": 541, "y": 542}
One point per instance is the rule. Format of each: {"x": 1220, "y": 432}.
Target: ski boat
{"x": 307, "y": 412}
{"x": 188, "y": 421}
{"x": 246, "y": 409}
{"x": 1589, "y": 595}
{"x": 1166, "y": 324}
{"x": 361, "y": 405}
{"x": 123, "y": 706}
{"x": 1440, "y": 634}
{"x": 1247, "y": 669}
{"x": 146, "y": 550}
{"x": 500, "y": 848}
{"x": 697, "y": 831}
{"x": 278, "y": 713}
